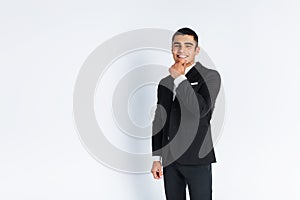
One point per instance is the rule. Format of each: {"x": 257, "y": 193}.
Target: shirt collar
{"x": 189, "y": 68}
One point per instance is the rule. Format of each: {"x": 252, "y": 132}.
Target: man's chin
{"x": 181, "y": 60}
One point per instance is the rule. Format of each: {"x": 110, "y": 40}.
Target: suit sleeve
{"x": 203, "y": 100}
{"x": 157, "y": 125}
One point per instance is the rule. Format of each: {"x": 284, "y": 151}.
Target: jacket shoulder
{"x": 167, "y": 82}
{"x": 209, "y": 73}
{"x": 166, "y": 79}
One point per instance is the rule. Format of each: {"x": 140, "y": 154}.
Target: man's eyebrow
{"x": 189, "y": 43}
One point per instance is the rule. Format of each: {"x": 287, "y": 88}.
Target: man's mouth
{"x": 181, "y": 56}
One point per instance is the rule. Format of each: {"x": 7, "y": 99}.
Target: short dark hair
{"x": 186, "y": 31}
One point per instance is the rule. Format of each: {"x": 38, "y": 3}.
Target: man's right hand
{"x": 156, "y": 170}
{"x": 178, "y": 68}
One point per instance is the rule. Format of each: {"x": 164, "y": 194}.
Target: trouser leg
{"x": 199, "y": 181}
{"x": 174, "y": 183}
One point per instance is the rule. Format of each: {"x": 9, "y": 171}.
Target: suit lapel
{"x": 194, "y": 74}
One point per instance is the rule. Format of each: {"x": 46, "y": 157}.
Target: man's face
{"x": 184, "y": 49}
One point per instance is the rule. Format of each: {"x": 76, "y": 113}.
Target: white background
{"x": 254, "y": 44}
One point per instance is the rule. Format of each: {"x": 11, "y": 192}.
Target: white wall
{"x": 254, "y": 45}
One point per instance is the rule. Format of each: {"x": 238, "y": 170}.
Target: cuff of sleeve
{"x": 156, "y": 158}
{"x": 178, "y": 80}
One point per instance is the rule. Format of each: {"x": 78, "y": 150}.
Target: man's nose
{"x": 181, "y": 49}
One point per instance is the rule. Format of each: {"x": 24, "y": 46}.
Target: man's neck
{"x": 187, "y": 69}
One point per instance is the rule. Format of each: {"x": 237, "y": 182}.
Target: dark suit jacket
{"x": 181, "y": 128}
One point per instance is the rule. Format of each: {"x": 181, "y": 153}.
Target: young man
{"x": 181, "y": 134}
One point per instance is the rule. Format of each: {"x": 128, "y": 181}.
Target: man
{"x": 181, "y": 134}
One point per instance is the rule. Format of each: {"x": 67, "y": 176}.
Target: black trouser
{"x": 197, "y": 177}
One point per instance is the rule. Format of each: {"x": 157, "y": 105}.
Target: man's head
{"x": 185, "y": 46}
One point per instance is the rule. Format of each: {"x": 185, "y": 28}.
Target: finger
{"x": 177, "y": 66}
{"x": 178, "y": 62}
{"x": 182, "y": 60}
{"x": 182, "y": 64}
{"x": 160, "y": 173}
{"x": 154, "y": 175}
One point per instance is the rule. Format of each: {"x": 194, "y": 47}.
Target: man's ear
{"x": 197, "y": 50}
